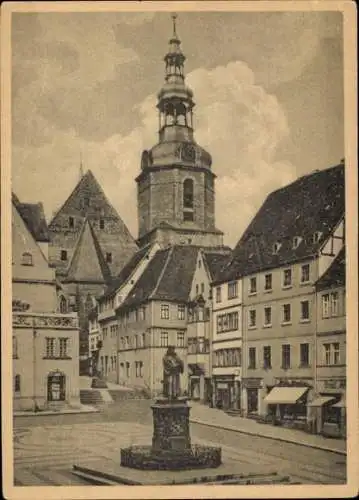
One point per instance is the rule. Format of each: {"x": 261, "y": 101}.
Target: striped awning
{"x": 285, "y": 395}
{"x": 321, "y": 400}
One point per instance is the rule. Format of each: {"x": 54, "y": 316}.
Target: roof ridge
{"x": 170, "y": 252}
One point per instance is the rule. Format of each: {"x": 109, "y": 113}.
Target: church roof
{"x": 168, "y": 276}
{"x": 34, "y": 217}
{"x": 314, "y": 203}
{"x": 88, "y": 263}
{"x": 335, "y": 274}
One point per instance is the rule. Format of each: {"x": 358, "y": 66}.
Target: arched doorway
{"x": 56, "y": 386}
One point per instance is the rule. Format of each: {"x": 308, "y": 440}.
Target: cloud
{"x": 236, "y": 121}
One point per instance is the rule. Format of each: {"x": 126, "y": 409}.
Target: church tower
{"x": 175, "y": 189}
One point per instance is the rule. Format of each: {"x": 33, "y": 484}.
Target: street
{"x": 45, "y": 447}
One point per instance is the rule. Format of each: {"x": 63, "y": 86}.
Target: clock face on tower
{"x": 189, "y": 152}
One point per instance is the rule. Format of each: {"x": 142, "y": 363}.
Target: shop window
{"x": 26, "y": 259}
{"x": 285, "y": 356}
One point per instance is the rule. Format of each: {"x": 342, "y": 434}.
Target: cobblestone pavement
{"x": 44, "y": 454}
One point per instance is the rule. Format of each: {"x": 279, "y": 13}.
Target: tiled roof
{"x": 215, "y": 263}
{"x": 34, "y": 217}
{"x": 88, "y": 263}
{"x": 126, "y": 272}
{"x": 168, "y": 276}
{"x": 315, "y": 202}
{"x": 335, "y": 274}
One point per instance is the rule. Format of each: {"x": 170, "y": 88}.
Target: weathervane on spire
{"x": 174, "y": 17}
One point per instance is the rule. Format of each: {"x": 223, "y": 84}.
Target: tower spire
{"x": 81, "y": 166}
{"x": 174, "y": 17}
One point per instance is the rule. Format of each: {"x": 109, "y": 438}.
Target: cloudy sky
{"x": 268, "y": 89}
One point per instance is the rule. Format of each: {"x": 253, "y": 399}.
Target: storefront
{"x": 199, "y": 386}
{"x": 251, "y": 396}
{"x": 227, "y": 392}
{"x": 288, "y": 403}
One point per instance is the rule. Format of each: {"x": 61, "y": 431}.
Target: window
{"x": 331, "y": 353}
{"x": 165, "y": 311}
{"x": 102, "y": 224}
{"x": 14, "y": 347}
{"x": 136, "y": 341}
{"x": 143, "y": 340}
{"x": 50, "y": 347}
{"x": 304, "y": 354}
{"x": 17, "y": 383}
{"x": 199, "y": 264}
{"x": 296, "y": 242}
{"x": 326, "y": 305}
{"x": 188, "y": 193}
{"x": 197, "y": 289}
{"x": 181, "y": 311}
{"x": 276, "y": 247}
{"x": 232, "y": 290}
{"x": 317, "y": 236}
{"x": 109, "y": 257}
{"x": 188, "y": 216}
{"x": 304, "y": 310}
{"x": 253, "y": 285}
{"x": 304, "y": 278}
{"x": 71, "y": 222}
{"x": 164, "y": 339}
{"x": 218, "y": 294}
{"x": 267, "y": 357}
{"x": 286, "y": 313}
{"x": 267, "y": 316}
{"x": 227, "y": 322}
{"x": 64, "y": 343}
{"x": 63, "y": 305}
{"x": 86, "y": 201}
{"x": 268, "y": 282}
{"x": 287, "y": 277}
{"x": 285, "y": 356}
{"x": 227, "y": 357}
{"x": 63, "y": 255}
{"x": 127, "y": 369}
{"x": 26, "y": 259}
{"x": 180, "y": 339}
{"x": 334, "y": 303}
{"x": 252, "y": 357}
{"x": 252, "y": 318}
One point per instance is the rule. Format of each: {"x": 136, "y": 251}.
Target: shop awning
{"x": 340, "y": 404}
{"x": 285, "y": 395}
{"x": 321, "y": 400}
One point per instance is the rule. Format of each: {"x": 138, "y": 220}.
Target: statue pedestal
{"x": 170, "y": 427}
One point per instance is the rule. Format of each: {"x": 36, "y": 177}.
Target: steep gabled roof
{"x": 88, "y": 263}
{"x": 127, "y": 271}
{"x": 168, "y": 276}
{"x": 215, "y": 262}
{"x": 34, "y": 217}
{"x": 312, "y": 203}
{"x": 335, "y": 275}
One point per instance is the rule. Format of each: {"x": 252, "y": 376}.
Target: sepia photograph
{"x": 179, "y": 216}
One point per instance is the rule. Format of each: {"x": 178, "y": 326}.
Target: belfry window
{"x": 188, "y": 193}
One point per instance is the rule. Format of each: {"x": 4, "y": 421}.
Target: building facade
{"x": 288, "y": 246}
{"x": 44, "y": 338}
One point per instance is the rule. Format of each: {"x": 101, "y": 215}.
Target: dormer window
{"x": 276, "y": 247}
{"x": 296, "y": 242}
{"x": 26, "y": 259}
{"x": 317, "y": 236}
